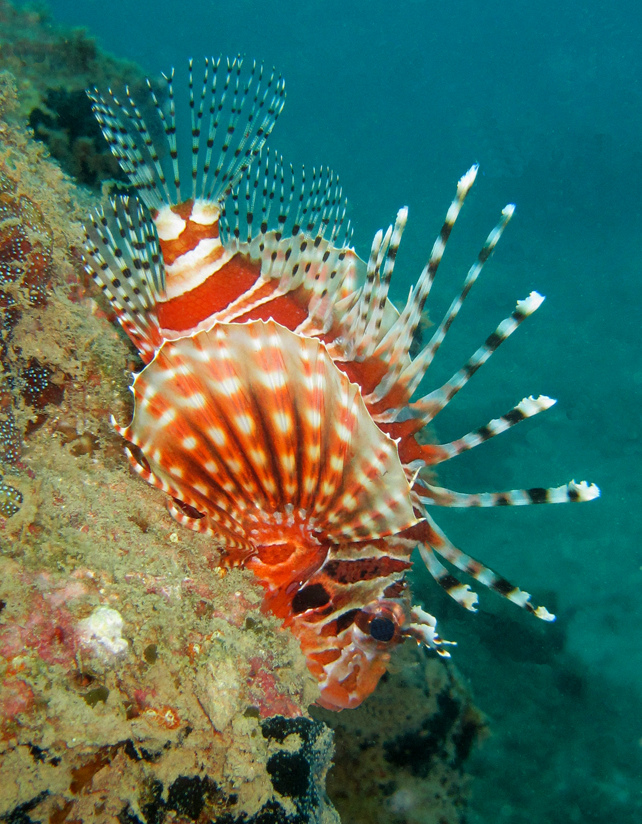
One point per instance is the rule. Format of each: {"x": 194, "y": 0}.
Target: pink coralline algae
{"x": 43, "y": 631}
{"x": 47, "y": 628}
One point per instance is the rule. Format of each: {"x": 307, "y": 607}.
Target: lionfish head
{"x": 351, "y": 614}
{"x": 350, "y": 654}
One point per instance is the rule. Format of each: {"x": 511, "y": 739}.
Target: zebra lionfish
{"x": 277, "y": 405}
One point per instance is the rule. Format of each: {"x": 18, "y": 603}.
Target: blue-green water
{"x": 400, "y": 99}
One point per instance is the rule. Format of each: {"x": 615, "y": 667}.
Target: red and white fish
{"x": 276, "y": 408}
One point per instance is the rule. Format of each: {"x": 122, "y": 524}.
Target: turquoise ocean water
{"x": 400, "y": 99}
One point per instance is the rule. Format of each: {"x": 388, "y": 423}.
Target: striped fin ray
{"x": 356, "y": 317}
{"x": 246, "y": 130}
{"x": 235, "y": 113}
{"x": 526, "y": 408}
{"x": 424, "y": 358}
{"x": 571, "y": 492}
{"x": 373, "y": 328}
{"x": 374, "y": 325}
{"x": 395, "y": 346}
{"x": 183, "y": 509}
{"x": 370, "y": 315}
{"x": 273, "y": 199}
{"x": 122, "y": 255}
{"x": 396, "y": 343}
{"x": 128, "y": 137}
{"x": 295, "y": 226}
{"x": 429, "y": 406}
{"x": 462, "y": 592}
{"x": 388, "y": 402}
{"x": 265, "y": 179}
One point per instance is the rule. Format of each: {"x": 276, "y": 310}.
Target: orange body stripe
{"x": 283, "y": 309}
{"x": 191, "y": 235}
{"x": 219, "y": 290}
{"x": 367, "y": 374}
{"x": 188, "y": 239}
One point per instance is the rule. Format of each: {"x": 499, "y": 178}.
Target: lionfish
{"x": 276, "y": 408}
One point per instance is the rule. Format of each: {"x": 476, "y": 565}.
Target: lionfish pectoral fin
{"x": 256, "y": 427}
{"x": 429, "y": 406}
{"x": 236, "y": 551}
{"x": 393, "y": 345}
{"x": 401, "y": 336}
{"x": 439, "y": 544}
{"x": 462, "y": 593}
{"x": 526, "y": 408}
{"x": 570, "y": 492}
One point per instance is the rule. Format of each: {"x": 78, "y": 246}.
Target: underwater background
{"x": 400, "y": 99}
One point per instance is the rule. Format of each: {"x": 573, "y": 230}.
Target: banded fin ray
{"x": 526, "y": 408}
{"x": 294, "y": 226}
{"x": 122, "y": 255}
{"x": 372, "y": 314}
{"x": 428, "y": 407}
{"x": 397, "y": 343}
{"x": 286, "y": 204}
{"x": 236, "y": 111}
{"x": 569, "y": 492}
{"x": 462, "y": 592}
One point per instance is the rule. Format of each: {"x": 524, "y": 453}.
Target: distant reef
{"x": 52, "y": 66}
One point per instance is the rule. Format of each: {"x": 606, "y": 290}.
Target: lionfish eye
{"x": 382, "y": 629}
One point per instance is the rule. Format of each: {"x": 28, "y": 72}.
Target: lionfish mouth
{"x": 278, "y": 406}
